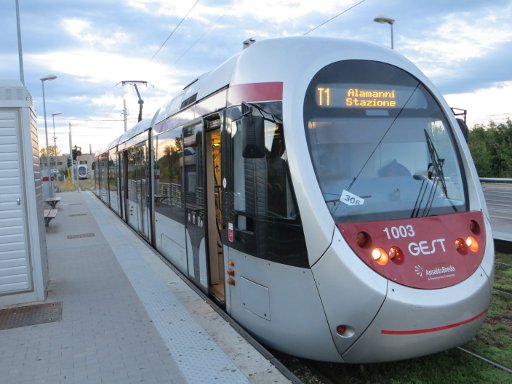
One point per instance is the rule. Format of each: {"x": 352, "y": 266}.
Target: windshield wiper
{"x": 436, "y": 165}
{"x": 435, "y": 175}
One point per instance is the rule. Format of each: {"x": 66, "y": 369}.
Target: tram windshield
{"x": 380, "y": 144}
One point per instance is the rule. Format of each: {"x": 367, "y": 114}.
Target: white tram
{"x": 322, "y": 191}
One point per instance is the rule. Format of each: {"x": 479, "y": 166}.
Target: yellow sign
{"x": 324, "y": 96}
{"x": 327, "y": 96}
{"x": 372, "y": 98}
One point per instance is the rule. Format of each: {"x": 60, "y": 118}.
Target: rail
{"x": 495, "y": 180}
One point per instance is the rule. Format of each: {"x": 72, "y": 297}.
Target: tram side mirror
{"x": 253, "y": 137}
{"x": 464, "y": 128}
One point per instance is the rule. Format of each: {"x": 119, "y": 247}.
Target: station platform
{"x": 125, "y": 316}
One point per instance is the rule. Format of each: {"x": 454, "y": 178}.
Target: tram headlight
{"x": 461, "y": 246}
{"x": 363, "y": 239}
{"x": 380, "y": 256}
{"x": 474, "y": 227}
{"x": 472, "y": 244}
{"x": 396, "y": 255}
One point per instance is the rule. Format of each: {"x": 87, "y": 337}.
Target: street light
{"x": 386, "y": 20}
{"x": 43, "y": 79}
{"x": 20, "y": 48}
{"x": 55, "y": 139}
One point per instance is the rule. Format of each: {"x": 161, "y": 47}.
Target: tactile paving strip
{"x": 30, "y": 315}
{"x": 81, "y": 235}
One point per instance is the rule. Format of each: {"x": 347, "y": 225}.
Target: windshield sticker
{"x": 350, "y": 199}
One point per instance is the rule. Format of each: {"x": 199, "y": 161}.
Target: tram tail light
{"x": 380, "y": 256}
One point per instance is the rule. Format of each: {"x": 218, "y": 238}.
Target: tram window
{"x": 263, "y": 210}
{"x": 132, "y": 173}
{"x": 168, "y": 171}
{"x": 261, "y": 186}
{"x": 279, "y": 195}
{"x": 238, "y": 170}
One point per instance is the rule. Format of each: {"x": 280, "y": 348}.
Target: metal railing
{"x": 495, "y": 180}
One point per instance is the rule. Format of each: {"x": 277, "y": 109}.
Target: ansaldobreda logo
{"x": 438, "y": 272}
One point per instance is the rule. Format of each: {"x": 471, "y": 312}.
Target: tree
{"x": 491, "y": 148}
{"x": 52, "y": 151}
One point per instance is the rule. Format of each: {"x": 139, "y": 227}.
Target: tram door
{"x": 145, "y": 192}
{"x": 132, "y": 200}
{"x": 124, "y": 185}
{"x": 213, "y": 190}
{"x": 202, "y": 177}
{"x": 142, "y": 186}
{"x": 138, "y": 208}
{"x": 119, "y": 181}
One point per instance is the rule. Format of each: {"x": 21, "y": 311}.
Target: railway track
{"x": 502, "y": 292}
{"x": 331, "y": 373}
{"x": 501, "y": 265}
{"x": 485, "y": 360}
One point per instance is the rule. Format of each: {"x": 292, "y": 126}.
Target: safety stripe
{"x": 429, "y": 330}
{"x": 255, "y": 92}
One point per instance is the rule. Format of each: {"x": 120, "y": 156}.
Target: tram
{"x": 322, "y": 192}
{"x": 82, "y": 170}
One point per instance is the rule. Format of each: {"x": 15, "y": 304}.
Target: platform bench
{"x": 49, "y": 214}
{"x": 52, "y": 201}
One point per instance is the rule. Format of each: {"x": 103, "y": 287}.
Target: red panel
{"x": 430, "y": 258}
{"x": 255, "y": 92}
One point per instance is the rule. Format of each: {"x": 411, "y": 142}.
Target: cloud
{"x": 462, "y": 40}
{"x": 83, "y": 31}
{"x": 486, "y": 104}
{"x": 483, "y": 72}
{"x": 97, "y": 67}
{"x": 464, "y": 47}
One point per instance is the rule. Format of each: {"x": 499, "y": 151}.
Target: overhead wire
{"x": 172, "y": 32}
{"x": 220, "y": 17}
{"x": 335, "y": 16}
{"x": 199, "y": 39}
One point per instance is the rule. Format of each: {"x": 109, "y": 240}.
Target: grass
{"x": 68, "y": 186}
{"x": 494, "y": 341}
{"x": 453, "y": 366}
{"x": 495, "y": 338}
{"x": 503, "y": 278}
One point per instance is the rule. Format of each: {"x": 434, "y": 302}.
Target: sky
{"x": 463, "y": 46}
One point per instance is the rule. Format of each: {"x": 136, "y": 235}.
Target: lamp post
{"x": 55, "y": 139}
{"x": 71, "y": 155}
{"x": 386, "y": 20}
{"x": 20, "y": 49}
{"x": 43, "y": 79}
